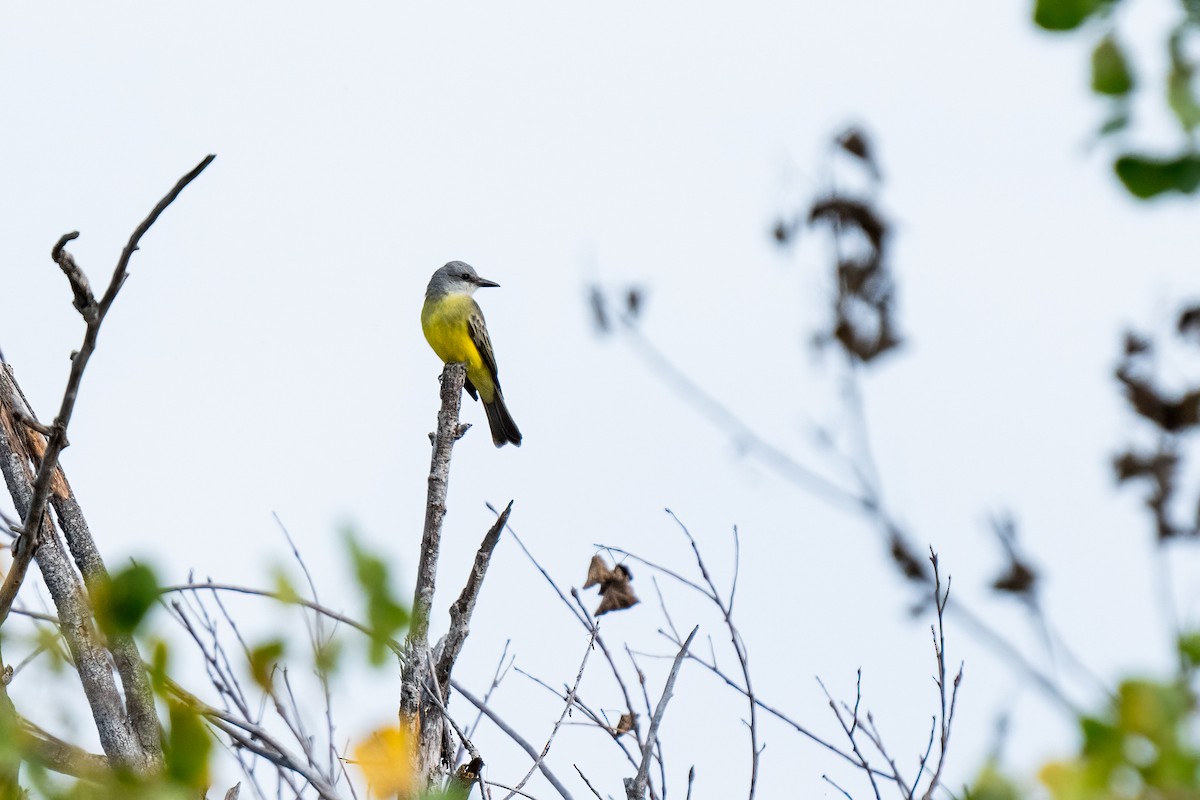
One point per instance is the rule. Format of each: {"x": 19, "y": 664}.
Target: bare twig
{"x": 93, "y": 313}
{"x": 585, "y": 619}
{"x": 256, "y": 739}
{"x": 392, "y": 644}
{"x": 850, "y": 731}
{"x": 635, "y": 787}
{"x": 461, "y": 610}
{"x": 569, "y": 702}
{"x": 587, "y": 782}
{"x": 941, "y": 598}
{"x": 746, "y": 439}
{"x": 497, "y": 677}
{"x": 516, "y": 737}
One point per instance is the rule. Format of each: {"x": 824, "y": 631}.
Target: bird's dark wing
{"x": 479, "y": 335}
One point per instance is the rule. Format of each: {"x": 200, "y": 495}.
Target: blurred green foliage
{"x": 122, "y": 601}
{"x": 1144, "y": 175}
{"x": 386, "y": 617}
{"x": 263, "y": 659}
{"x": 1142, "y": 746}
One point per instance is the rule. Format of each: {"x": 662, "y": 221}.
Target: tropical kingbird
{"x": 454, "y": 327}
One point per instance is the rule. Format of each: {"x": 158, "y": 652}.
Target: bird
{"x": 454, "y": 327}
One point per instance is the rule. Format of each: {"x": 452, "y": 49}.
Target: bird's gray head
{"x": 457, "y": 277}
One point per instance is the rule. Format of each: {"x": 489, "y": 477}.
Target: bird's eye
{"x": 466, "y": 276}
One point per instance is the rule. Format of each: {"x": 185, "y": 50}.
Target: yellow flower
{"x": 386, "y": 758}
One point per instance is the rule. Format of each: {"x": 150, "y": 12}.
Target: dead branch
{"x": 93, "y": 313}
{"x": 635, "y": 787}
{"x": 569, "y": 702}
{"x": 117, "y": 736}
{"x": 460, "y": 612}
{"x": 508, "y": 731}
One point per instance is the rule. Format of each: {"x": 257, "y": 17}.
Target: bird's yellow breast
{"x": 444, "y": 322}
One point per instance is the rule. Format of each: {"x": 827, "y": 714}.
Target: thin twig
{"x": 635, "y": 787}
{"x": 568, "y": 703}
{"x": 512, "y": 734}
{"x": 464, "y": 606}
{"x": 587, "y": 782}
{"x": 392, "y": 644}
{"x": 862, "y": 762}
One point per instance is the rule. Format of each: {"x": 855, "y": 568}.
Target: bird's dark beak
{"x": 484, "y": 283}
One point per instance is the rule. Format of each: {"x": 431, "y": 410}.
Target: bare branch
{"x": 586, "y": 781}
{"x": 32, "y": 520}
{"x": 635, "y": 787}
{"x": 461, "y": 610}
{"x": 567, "y": 705}
{"x": 392, "y": 644}
{"x": 516, "y": 737}
{"x": 435, "y": 508}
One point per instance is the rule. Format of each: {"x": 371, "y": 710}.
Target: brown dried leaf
{"x": 469, "y": 773}
{"x": 1171, "y": 415}
{"x": 625, "y": 724}
{"x": 1019, "y": 579}
{"x": 1189, "y": 323}
{"x": 634, "y": 300}
{"x": 854, "y": 142}
{"x": 615, "y": 590}
{"x": 846, "y": 211}
{"x": 598, "y": 572}
{"x": 914, "y": 568}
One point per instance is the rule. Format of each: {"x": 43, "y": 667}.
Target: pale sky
{"x": 266, "y": 355}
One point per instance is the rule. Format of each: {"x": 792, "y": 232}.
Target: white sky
{"x": 265, "y": 355}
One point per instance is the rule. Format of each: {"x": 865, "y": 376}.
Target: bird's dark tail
{"x": 504, "y": 430}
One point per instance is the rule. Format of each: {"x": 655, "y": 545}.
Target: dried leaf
{"x": 469, "y": 773}
{"x": 1019, "y": 579}
{"x": 846, "y": 211}
{"x": 598, "y": 572}
{"x": 1189, "y": 323}
{"x": 854, "y": 141}
{"x": 1135, "y": 344}
{"x": 615, "y": 590}
{"x": 1171, "y": 415}
{"x": 914, "y": 568}
{"x": 634, "y": 299}
{"x": 625, "y": 724}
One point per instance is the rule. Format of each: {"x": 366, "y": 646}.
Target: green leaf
{"x": 1100, "y": 739}
{"x": 159, "y": 659}
{"x": 263, "y": 659}
{"x": 1180, "y": 95}
{"x": 284, "y": 588}
{"x": 1063, "y": 15}
{"x": 385, "y": 616}
{"x": 326, "y": 656}
{"x": 1117, "y": 122}
{"x": 991, "y": 784}
{"x": 123, "y": 600}
{"x": 1189, "y": 648}
{"x": 187, "y": 747}
{"x": 1147, "y": 177}
{"x": 1110, "y": 71}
